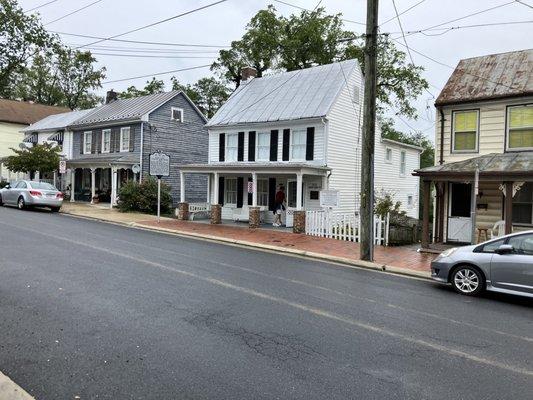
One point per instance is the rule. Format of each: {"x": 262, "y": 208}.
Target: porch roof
{"x": 494, "y": 166}
{"x": 250, "y": 167}
{"x": 104, "y": 161}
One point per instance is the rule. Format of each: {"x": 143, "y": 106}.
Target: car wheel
{"x": 55, "y": 209}
{"x": 467, "y": 280}
{"x": 21, "y": 204}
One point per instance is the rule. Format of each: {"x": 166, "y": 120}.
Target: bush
{"x": 3, "y": 184}
{"x": 143, "y": 197}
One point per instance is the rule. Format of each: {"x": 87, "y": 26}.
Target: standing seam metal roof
{"x": 305, "y": 93}
{"x": 57, "y": 121}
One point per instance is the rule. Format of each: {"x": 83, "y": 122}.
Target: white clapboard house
{"x": 300, "y": 129}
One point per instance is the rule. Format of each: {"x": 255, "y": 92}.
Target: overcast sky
{"x": 220, "y": 24}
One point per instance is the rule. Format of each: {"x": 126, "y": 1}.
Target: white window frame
{"x": 403, "y": 162}
{"x": 122, "y": 141}
{"x": 104, "y": 132}
{"x": 530, "y": 203}
{"x": 410, "y": 203}
{"x": 88, "y": 134}
{"x": 230, "y": 193}
{"x": 234, "y": 149}
{"x": 172, "y": 109}
{"x": 388, "y": 151}
{"x": 507, "y": 128}
{"x": 476, "y": 149}
{"x": 299, "y": 146}
{"x": 262, "y": 147}
{"x": 262, "y": 192}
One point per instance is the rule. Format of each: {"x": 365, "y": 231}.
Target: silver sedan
{"x": 501, "y": 265}
{"x": 23, "y": 194}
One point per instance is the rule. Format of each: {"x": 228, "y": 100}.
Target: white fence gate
{"x": 344, "y": 226}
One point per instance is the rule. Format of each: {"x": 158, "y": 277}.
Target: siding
{"x": 78, "y": 137}
{"x": 10, "y": 136}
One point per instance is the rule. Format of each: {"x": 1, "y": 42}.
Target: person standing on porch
{"x": 279, "y": 207}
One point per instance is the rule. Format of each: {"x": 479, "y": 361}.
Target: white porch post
{"x": 215, "y": 189}
{"x": 254, "y": 189}
{"x": 72, "y": 183}
{"x": 325, "y": 182}
{"x": 299, "y": 191}
{"x": 182, "y": 187}
{"x": 93, "y": 184}
{"x": 113, "y": 187}
{"x": 208, "y": 188}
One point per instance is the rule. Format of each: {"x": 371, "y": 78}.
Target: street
{"x": 103, "y": 311}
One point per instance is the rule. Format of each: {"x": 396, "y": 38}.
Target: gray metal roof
{"x": 57, "y": 121}
{"x": 128, "y": 158}
{"x": 490, "y": 77}
{"x": 494, "y": 163}
{"x": 305, "y": 93}
{"x": 126, "y": 109}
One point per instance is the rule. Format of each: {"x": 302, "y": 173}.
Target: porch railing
{"x": 344, "y": 226}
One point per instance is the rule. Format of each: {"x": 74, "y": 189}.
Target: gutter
{"x": 441, "y": 155}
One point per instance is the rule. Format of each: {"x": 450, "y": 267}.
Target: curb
{"x": 9, "y": 390}
{"x": 347, "y": 262}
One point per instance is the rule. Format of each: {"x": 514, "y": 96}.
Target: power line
{"x": 73, "y": 12}
{"x": 40, "y": 6}
{"x": 137, "y": 41}
{"x": 401, "y": 29}
{"x": 156, "y": 74}
{"x": 151, "y": 56}
{"x": 403, "y": 12}
{"x": 524, "y": 4}
{"x": 144, "y": 50}
{"x": 451, "y": 28}
{"x": 306, "y": 9}
{"x": 157, "y": 22}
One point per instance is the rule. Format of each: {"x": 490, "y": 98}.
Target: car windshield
{"x": 42, "y": 185}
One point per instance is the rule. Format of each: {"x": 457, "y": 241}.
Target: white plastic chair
{"x": 497, "y": 230}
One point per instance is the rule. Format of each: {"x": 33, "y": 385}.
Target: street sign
{"x": 136, "y": 168}
{"x": 159, "y": 164}
{"x": 62, "y": 167}
{"x": 329, "y": 198}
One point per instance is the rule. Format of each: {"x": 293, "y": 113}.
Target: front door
{"x": 514, "y": 271}
{"x": 459, "y": 220}
{"x": 291, "y": 203}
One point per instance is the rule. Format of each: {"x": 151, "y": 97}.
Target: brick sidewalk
{"x": 405, "y": 257}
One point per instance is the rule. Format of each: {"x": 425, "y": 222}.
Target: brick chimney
{"x": 247, "y": 74}
{"x": 111, "y": 96}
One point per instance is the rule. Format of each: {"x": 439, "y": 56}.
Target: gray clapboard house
{"x": 114, "y": 141}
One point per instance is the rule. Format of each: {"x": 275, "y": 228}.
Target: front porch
{"x": 478, "y": 199}
{"x": 246, "y": 193}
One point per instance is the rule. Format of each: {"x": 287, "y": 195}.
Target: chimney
{"x": 247, "y": 74}
{"x": 111, "y": 96}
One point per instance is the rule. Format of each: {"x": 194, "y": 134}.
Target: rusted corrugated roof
{"x": 490, "y": 77}
{"x": 26, "y": 113}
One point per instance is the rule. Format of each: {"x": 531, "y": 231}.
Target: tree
{"x": 21, "y": 36}
{"x": 152, "y": 87}
{"x": 207, "y": 93}
{"x": 41, "y": 157}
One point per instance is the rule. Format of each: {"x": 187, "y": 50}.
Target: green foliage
{"x": 385, "y": 204}
{"x": 143, "y": 197}
{"x": 152, "y": 87}
{"x": 3, "y": 184}
{"x": 41, "y": 157}
{"x": 208, "y": 94}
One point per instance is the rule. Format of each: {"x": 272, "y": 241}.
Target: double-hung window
{"x": 125, "y": 139}
{"x": 176, "y": 114}
{"x": 231, "y": 191}
{"x": 263, "y": 146}
{"x": 87, "y": 142}
{"x": 402, "y": 163}
{"x": 298, "y": 143}
{"x": 465, "y": 131}
{"x": 520, "y": 127}
{"x": 262, "y": 192}
{"x": 523, "y": 205}
{"x": 388, "y": 155}
{"x": 232, "y": 146}
{"x": 106, "y": 140}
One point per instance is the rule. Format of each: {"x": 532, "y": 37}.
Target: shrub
{"x": 143, "y": 197}
{"x": 385, "y": 204}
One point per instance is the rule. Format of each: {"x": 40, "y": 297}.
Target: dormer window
{"x": 176, "y": 114}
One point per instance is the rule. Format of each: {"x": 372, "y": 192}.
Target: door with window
{"x": 514, "y": 271}
{"x": 459, "y": 219}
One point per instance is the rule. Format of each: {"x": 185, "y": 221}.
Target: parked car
{"x": 25, "y": 194}
{"x": 503, "y": 265}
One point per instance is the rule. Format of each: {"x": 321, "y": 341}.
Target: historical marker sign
{"x": 329, "y": 198}
{"x": 159, "y": 164}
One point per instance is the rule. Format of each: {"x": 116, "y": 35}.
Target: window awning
{"x": 57, "y": 137}
{"x": 30, "y": 138}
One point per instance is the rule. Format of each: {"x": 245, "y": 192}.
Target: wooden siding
{"x": 115, "y": 130}
{"x": 10, "y": 137}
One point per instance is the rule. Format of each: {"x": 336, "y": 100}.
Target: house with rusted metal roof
{"x": 483, "y": 177}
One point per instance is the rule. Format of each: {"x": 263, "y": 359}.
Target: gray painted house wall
{"x": 135, "y": 130}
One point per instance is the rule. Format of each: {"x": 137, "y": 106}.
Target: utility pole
{"x": 369, "y": 131}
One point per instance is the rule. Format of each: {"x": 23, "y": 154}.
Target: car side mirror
{"x": 505, "y": 249}
{"x": 7, "y": 187}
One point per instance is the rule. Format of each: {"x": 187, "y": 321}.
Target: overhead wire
{"x": 73, "y": 12}
{"x": 156, "y": 74}
{"x": 402, "y": 13}
{"x": 40, "y": 6}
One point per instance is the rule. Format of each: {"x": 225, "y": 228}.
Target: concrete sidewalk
{"x": 402, "y": 260}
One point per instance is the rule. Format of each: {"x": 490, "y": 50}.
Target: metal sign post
{"x": 159, "y": 167}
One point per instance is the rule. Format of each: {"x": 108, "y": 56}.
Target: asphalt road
{"x": 102, "y": 311}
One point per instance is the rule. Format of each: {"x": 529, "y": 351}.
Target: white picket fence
{"x": 344, "y": 226}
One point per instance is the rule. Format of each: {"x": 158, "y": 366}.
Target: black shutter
{"x": 132, "y": 138}
{"x": 221, "y": 190}
{"x": 221, "y": 146}
{"x": 240, "y": 148}
{"x": 286, "y": 144}
{"x": 274, "y": 145}
{"x": 251, "y": 146}
{"x": 250, "y": 195}
{"x": 310, "y": 143}
{"x": 272, "y": 194}
{"x": 240, "y": 187}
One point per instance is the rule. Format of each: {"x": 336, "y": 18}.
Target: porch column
{"x": 299, "y": 191}
{"x": 93, "y": 184}
{"x": 216, "y": 208}
{"x": 425, "y": 214}
{"x": 182, "y": 187}
{"x": 254, "y": 189}
{"x": 208, "y": 189}
{"x": 508, "y": 213}
{"x": 215, "y": 189}
{"x": 440, "y": 211}
{"x": 325, "y": 182}
{"x": 72, "y": 183}
{"x": 113, "y": 187}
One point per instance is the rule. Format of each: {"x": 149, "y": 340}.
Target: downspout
{"x": 441, "y": 155}
{"x": 141, "y": 153}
